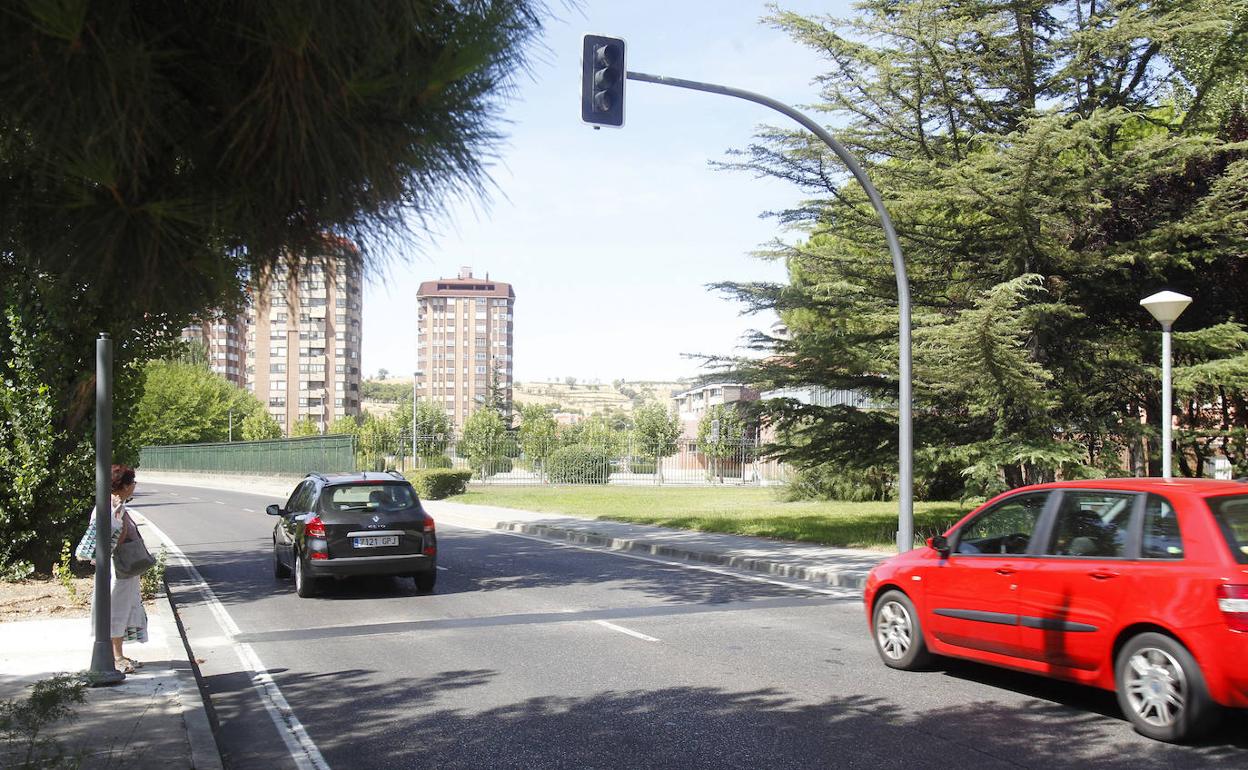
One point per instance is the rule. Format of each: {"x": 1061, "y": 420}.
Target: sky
{"x": 609, "y": 237}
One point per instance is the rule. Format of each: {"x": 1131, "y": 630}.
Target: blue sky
{"x": 609, "y": 237}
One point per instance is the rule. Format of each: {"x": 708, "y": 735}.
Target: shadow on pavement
{"x": 361, "y": 718}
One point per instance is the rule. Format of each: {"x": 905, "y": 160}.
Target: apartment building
{"x": 464, "y": 340}
{"x": 303, "y": 342}
{"x": 224, "y": 342}
{"x": 692, "y": 404}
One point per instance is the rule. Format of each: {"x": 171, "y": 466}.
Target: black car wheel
{"x": 305, "y": 584}
{"x": 1161, "y": 689}
{"x": 898, "y": 636}
{"x": 425, "y": 581}
{"x": 280, "y": 571}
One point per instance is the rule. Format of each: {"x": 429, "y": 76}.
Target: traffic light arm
{"x": 905, "y": 419}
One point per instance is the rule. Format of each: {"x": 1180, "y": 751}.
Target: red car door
{"x": 1069, "y": 601}
{"x": 972, "y": 596}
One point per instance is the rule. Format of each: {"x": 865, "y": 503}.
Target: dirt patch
{"x": 45, "y": 597}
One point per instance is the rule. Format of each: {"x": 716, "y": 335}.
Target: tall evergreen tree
{"x": 1047, "y": 157}
{"x": 154, "y": 155}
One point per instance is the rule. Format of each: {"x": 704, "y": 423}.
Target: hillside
{"x": 591, "y": 398}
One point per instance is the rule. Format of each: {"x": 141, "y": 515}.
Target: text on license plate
{"x": 379, "y": 541}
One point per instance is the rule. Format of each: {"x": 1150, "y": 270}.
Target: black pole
{"x": 905, "y": 414}
{"x": 103, "y": 669}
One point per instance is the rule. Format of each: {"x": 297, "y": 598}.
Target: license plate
{"x": 380, "y": 541}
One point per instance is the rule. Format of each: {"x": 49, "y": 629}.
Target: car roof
{"x": 349, "y": 478}
{"x": 1198, "y": 487}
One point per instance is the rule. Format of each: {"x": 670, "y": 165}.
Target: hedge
{"x": 488, "y": 466}
{"x": 579, "y": 464}
{"x": 438, "y": 483}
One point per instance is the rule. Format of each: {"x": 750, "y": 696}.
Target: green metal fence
{"x": 292, "y": 456}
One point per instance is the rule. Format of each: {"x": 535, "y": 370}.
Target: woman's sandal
{"x": 126, "y": 665}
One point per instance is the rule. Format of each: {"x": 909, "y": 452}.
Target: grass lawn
{"x": 753, "y": 511}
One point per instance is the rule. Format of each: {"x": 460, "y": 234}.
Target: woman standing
{"x": 128, "y": 619}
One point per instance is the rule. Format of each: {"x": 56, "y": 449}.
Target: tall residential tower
{"x": 464, "y": 343}
{"x": 303, "y": 342}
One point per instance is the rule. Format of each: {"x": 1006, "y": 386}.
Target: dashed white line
{"x": 444, "y": 569}
{"x": 218, "y": 502}
{"x": 623, "y": 630}
{"x": 249, "y": 510}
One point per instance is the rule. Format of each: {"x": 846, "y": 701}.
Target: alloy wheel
{"x": 894, "y": 630}
{"x": 1155, "y": 686}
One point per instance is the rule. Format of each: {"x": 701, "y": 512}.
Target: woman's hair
{"x": 123, "y": 475}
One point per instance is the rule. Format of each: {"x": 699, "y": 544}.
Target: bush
{"x": 488, "y": 466}
{"x": 579, "y": 464}
{"x": 638, "y": 465}
{"x": 438, "y": 483}
{"x": 437, "y": 461}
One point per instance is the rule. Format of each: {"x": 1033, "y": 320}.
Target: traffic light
{"x": 602, "y": 81}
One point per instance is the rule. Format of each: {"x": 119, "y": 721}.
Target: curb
{"x": 205, "y": 754}
{"x": 832, "y": 576}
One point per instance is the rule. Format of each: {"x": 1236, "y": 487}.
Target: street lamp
{"x": 415, "y": 396}
{"x": 1166, "y": 307}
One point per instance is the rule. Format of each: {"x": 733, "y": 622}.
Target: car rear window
{"x": 369, "y": 497}
{"x": 1232, "y": 516}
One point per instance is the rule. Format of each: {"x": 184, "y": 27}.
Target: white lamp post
{"x": 1166, "y": 307}
{"x": 415, "y": 395}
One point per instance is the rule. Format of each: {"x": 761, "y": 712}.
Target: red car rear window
{"x": 1232, "y": 516}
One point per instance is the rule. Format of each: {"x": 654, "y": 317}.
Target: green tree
{"x": 1011, "y": 143}
{"x": 345, "y": 425}
{"x": 483, "y": 441}
{"x": 433, "y": 430}
{"x": 721, "y": 437}
{"x": 538, "y": 435}
{"x": 656, "y": 433}
{"x": 304, "y": 427}
{"x": 188, "y": 148}
{"x": 261, "y": 426}
{"x": 188, "y": 404}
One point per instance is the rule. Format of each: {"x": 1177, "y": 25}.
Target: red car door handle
{"x": 1100, "y": 574}
{"x": 1005, "y": 571}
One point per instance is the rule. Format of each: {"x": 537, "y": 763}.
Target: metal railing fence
{"x": 291, "y": 456}
{"x": 618, "y": 459}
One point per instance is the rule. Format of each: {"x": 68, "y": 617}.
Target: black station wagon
{"x": 353, "y": 524}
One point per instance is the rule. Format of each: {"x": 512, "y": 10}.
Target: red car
{"x": 1139, "y": 586}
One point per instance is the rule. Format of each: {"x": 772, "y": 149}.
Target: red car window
{"x": 1232, "y": 516}
{"x": 1162, "y": 538}
{"x": 1092, "y": 524}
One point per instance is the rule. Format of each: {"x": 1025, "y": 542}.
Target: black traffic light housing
{"x": 602, "y": 81}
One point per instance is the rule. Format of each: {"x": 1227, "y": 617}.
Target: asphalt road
{"x": 534, "y": 654}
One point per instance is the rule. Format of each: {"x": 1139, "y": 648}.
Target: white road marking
{"x": 623, "y": 630}
{"x": 843, "y": 593}
{"x": 218, "y": 502}
{"x": 444, "y": 569}
{"x": 249, "y": 510}
{"x": 302, "y": 750}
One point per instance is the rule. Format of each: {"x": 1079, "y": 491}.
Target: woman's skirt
{"x": 127, "y": 617}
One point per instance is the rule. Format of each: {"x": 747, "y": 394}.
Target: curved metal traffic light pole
{"x": 905, "y": 418}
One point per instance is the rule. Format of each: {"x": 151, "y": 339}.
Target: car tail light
{"x": 428, "y": 523}
{"x": 318, "y": 555}
{"x": 314, "y": 527}
{"x": 1233, "y": 601}
{"x": 430, "y": 549}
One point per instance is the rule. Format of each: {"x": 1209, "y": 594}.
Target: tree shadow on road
{"x": 463, "y": 719}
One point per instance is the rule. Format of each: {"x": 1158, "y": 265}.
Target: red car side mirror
{"x": 939, "y": 544}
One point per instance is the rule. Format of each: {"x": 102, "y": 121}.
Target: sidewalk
{"x": 845, "y": 567}
{"x": 154, "y": 719}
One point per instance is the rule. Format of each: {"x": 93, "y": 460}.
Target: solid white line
{"x": 623, "y": 630}
{"x": 843, "y": 593}
{"x": 302, "y": 750}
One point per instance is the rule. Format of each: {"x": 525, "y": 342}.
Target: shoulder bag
{"x": 131, "y": 557}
